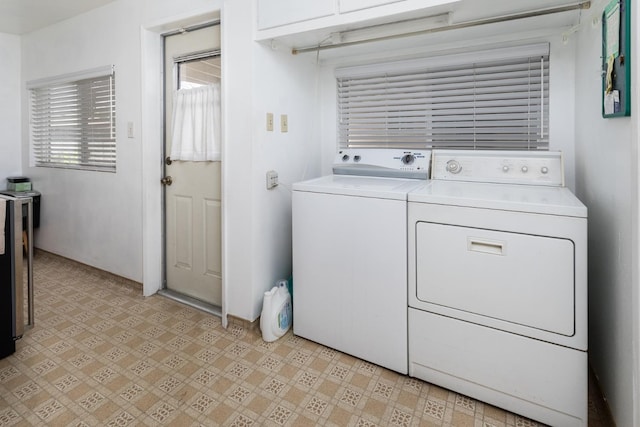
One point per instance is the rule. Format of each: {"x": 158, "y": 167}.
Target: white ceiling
{"x": 23, "y": 16}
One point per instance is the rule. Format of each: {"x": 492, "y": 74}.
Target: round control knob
{"x": 525, "y": 169}
{"x": 356, "y": 158}
{"x": 408, "y": 159}
{"x": 345, "y": 158}
{"x": 453, "y": 166}
{"x": 505, "y": 168}
{"x": 544, "y": 170}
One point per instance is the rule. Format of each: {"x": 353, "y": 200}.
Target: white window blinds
{"x": 496, "y": 99}
{"x": 73, "y": 122}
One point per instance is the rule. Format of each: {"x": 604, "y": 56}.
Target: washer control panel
{"x": 395, "y": 163}
{"x": 514, "y": 167}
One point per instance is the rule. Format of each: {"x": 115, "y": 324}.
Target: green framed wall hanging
{"x": 616, "y": 59}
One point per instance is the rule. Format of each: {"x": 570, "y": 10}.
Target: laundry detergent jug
{"x": 275, "y": 319}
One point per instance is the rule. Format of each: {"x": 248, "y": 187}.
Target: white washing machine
{"x": 498, "y": 283}
{"x": 350, "y": 254}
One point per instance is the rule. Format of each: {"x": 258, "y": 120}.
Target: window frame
{"x": 72, "y": 120}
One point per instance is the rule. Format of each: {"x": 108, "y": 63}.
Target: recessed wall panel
{"x": 212, "y": 228}
{"x": 184, "y": 232}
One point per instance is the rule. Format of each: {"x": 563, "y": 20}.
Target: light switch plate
{"x": 270, "y": 122}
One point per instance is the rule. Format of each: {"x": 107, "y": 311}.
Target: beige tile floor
{"x": 101, "y": 354}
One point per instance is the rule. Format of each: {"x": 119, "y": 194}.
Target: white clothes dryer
{"x": 350, "y": 254}
{"x": 497, "y": 275}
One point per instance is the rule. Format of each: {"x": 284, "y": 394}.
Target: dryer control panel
{"x": 390, "y": 163}
{"x": 505, "y": 167}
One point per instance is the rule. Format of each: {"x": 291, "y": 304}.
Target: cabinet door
{"x": 274, "y": 13}
{"x": 352, "y": 5}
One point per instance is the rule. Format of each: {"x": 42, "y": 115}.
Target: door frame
{"x": 152, "y": 119}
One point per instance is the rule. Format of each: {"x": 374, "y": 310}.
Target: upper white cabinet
{"x": 274, "y": 13}
{"x": 301, "y": 22}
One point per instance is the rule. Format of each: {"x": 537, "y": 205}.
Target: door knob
{"x": 167, "y": 180}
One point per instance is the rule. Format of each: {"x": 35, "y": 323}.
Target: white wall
{"x": 97, "y": 218}
{"x": 283, "y": 84}
{"x": 113, "y": 221}
{"x": 10, "y": 101}
{"x": 607, "y": 182}
{"x": 257, "y": 220}
{"x": 238, "y": 194}
{"x": 92, "y": 217}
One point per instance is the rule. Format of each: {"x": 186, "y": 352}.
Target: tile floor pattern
{"x": 101, "y": 354}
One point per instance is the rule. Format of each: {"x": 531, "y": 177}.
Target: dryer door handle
{"x": 486, "y": 246}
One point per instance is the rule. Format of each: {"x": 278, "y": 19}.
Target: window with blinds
{"x": 73, "y": 123}
{"x": 496, "y": 99}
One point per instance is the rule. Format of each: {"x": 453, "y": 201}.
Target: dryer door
{"x": 517, "y": 280}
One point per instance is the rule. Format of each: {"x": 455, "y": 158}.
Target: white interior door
{"x": 192, "y": 188}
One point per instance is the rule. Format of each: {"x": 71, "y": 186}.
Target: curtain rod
{"x": 197, "y": 55}
{"x": 183, "y": 30}
{"x": 467, "y": 24}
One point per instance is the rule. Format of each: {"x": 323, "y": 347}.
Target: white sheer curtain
{"x": 195, "y": 127}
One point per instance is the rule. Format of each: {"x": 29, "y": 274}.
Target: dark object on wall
{"x": 616, "y": 59}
